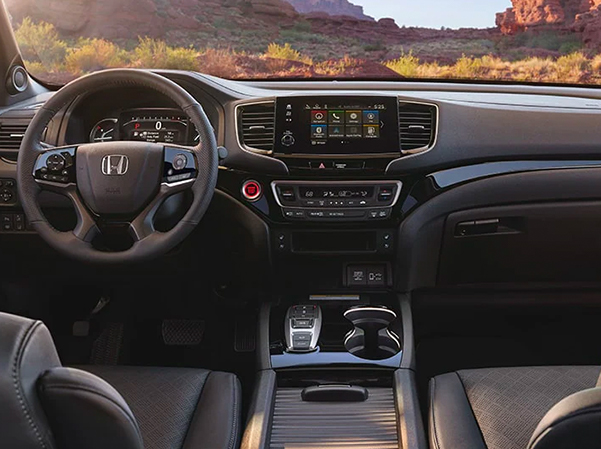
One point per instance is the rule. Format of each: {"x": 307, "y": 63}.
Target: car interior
{"x": 190, "y": 261}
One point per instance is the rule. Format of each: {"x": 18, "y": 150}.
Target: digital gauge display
{"x": 156, "y": 125}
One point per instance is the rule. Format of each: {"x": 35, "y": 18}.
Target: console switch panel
{"x": 302, "y": 327}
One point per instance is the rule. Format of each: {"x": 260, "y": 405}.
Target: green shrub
{"x": 151, "y": 53}
{"x": 302, "y": 26}
{"x": 40, "y": 42}
{"x": 94, "y": 54}
{"x": 377, "y": 46}
{"x": 570, "y": 47}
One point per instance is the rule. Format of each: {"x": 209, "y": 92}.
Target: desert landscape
{"x": 552, "y": 41}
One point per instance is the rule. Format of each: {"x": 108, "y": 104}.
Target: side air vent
{"x": 256, "y": 126}
{"x": 11, "y": 135}
{"x": 417, "y": 124}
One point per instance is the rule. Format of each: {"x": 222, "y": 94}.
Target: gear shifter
{"x": 371, "y": 339}
{"x": 302, "y": 328}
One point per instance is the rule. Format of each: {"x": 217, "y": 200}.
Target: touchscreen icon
{"x": 319, "y": 131}
{"x": 336, "y": 131}
{"x": 318, "y": 117}
{"x": 371, "y": 131}
{"x": 336, "y": 117}
{"x": 353, "y": 131}
{"x": 353, "y": 117}
{"x": 371, "y": 117}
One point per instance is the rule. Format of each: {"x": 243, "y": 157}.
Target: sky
{"x": 436, "y": 13}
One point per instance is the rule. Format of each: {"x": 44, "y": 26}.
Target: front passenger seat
{"x": 554, "y": 407}
{"x": 46, "y": 406}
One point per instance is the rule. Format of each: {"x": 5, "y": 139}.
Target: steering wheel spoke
{"x": 86, "y": 228}
{"x": 143, "y": 225}
{"x": 55, "y": 169}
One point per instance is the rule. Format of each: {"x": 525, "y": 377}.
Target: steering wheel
{"x": 120, "y": 181}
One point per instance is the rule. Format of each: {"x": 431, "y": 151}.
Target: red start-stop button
{"x": 251, "y": 190}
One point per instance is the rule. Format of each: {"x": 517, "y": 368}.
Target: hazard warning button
{"x": 321, "y": 165}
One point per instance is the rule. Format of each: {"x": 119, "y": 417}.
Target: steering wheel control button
{"x": 7, "y": 222}
{"x": 7, "y": 195}
{"x": 179, "y": 165}
{"x": 251, "y": 190}
{"x": 12, "y": 223}
{"x": 56, "y": 166}
{"x": 180, "y": 161}
{"x": 55, "y": 162}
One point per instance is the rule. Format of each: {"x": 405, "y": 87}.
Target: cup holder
{"x": 371, "y": 338}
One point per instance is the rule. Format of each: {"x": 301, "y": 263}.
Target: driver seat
{"x": 44, "y": 405}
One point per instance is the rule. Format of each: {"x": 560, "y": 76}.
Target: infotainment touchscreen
{"x": 337, "y": 125}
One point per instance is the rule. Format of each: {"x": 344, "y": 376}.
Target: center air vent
{"x": 417, "y": 123}
{"x": 256, "y": 126}
{"x": 11, "y": 135}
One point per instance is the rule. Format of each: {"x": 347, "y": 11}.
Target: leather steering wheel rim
{"x": 147, "y": 246}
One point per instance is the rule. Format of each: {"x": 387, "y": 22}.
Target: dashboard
{"x": 355, "y": 171}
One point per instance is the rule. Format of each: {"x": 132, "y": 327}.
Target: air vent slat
{"x": 417, "y": 123}
{"x": 257, "y": 126}
{"x": 11, "y": 135}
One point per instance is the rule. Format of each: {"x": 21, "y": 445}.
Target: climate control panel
{"x": 336, "y": 201}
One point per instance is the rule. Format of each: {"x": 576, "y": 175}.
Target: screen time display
{"x": 337, "y": 125}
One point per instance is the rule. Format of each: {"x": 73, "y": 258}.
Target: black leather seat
{"x": 46, "y": 406}
{"x": 516, "y": 408}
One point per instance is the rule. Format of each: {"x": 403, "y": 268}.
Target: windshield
{"x": 543, "y": 41}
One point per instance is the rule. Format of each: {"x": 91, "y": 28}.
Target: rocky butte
{"x": 568, "y": 16}
{"x": 331, "y": 7}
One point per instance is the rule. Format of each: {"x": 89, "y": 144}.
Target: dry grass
{"x": 50, "y": 57}
{"x": 574, "y": 68}
{"x": 219, "y": 62}
{"x": 94, "y": 54}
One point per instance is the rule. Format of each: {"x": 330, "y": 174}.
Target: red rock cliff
{"x": 527, "y": 14}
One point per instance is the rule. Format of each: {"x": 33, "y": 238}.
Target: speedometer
{"x": 158, "y": 125}
{"x": 104, "y": 130}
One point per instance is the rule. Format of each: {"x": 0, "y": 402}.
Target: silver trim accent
{"x": 237, "y": 130}
{"x": 371, "y": 309}
{"x": 179, "y": 183}
{"x": 274, "y": 185}
{"x": 425, "y": 149}
{"x": 114, "y": 165}
{"x": 259, "y": 194}
{"x": 289, "y": 331}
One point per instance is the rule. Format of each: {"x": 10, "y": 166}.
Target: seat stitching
{"x": 432, "y": 414}
{"x": 17, "y": 375}
{"x": 234, "y": 427}
{"x": 202, "y": 390}
{"x": 471, "y": 408}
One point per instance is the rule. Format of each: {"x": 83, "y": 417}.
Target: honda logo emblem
{"x": 115, "y": 165}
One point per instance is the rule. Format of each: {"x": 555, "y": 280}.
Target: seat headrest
{"x": 26, "y": 351}
{"x": 85, "y": 411}
{"x": 46, "y": 406}
{"x": 573, "y": 422}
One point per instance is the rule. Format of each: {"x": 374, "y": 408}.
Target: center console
{"x": 336, "y": 371}
{"x": 336, "y": 344}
